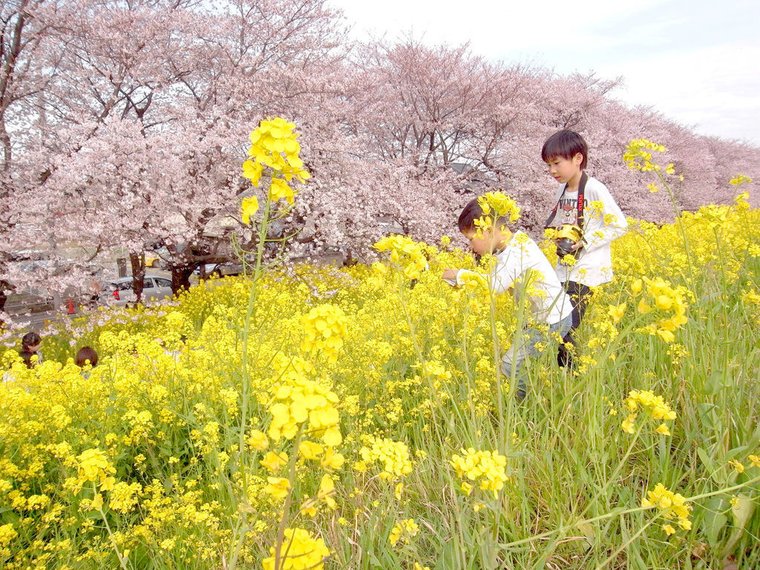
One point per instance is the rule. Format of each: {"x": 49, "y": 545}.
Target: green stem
{"x": 122, "y": 562}
{"x": 626, "y": 543}
{"x": 288, "y": 501}
{"x": 246, "y": 380}
{"x": 257, "y": 272}
{"x": 621, "y": 512}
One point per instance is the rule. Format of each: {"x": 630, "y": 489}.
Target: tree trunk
{"x": 181, "y": 278}
{"x": 137, "y": 260}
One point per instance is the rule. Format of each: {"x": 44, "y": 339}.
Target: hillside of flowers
{"x": 308, "y": 417}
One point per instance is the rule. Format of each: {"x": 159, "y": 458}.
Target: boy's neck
{"x": 573, "y": 184}
{"x": 504, "y": 237}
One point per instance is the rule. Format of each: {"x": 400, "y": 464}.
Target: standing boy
{"x": 520, "y": 267}
{"x": 584, "y": 202}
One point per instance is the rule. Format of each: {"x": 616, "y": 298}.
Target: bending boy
{"x": 520, "y": 267}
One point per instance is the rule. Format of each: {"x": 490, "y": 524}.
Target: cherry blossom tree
{"x": 124, "y": 125}
{"x": 152, "y": 113}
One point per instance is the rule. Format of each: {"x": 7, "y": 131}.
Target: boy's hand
{"x": 450, "y": 276}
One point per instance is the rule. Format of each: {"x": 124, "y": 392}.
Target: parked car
{"x": 227, "y": 269}
{"x": 119, "y": 291}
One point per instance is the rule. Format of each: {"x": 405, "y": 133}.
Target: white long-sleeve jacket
{"x": 603, "y": 222}
{"x": 522, "y": 259}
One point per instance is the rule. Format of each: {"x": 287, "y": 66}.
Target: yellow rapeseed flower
{"x": 740, "y": 179}
{"x": 671, "y": 505}
{"x": 278, "y": 487}
{"x": 638, "y": 155}
{"x": 486, "y": 468}
{"x": 393, "y": 456}
{"x": 257, "y": 440}
{"x": 273, "y": 462}
{"x": 298, "y": 551}
{"x": 403, "y": 531}
{"x": 248, "y": 208}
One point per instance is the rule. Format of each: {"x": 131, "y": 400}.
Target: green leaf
{"x": 714, "y": 383}
{"x": 706, "y": 459}
{"x": 742, "y": 512}
{"x": 707, "y": 415}
{"x": 588, "y": 531}
{"x": 715, "y": 520}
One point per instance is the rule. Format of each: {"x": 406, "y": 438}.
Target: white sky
{"x": 696, "y": 61}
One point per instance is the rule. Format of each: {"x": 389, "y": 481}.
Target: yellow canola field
{"x": 356, "y": 418}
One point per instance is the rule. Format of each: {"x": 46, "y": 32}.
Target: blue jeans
{"x": 523, "y": 347}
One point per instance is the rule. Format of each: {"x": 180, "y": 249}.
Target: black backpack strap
{"x": 554, "y": 211}
{"x": 581, "y": 200}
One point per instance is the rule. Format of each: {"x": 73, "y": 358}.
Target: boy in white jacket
{"x": 522, "y": 268}
{"x": 584, "y": 202}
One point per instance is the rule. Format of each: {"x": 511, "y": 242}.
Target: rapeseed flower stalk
{"x": 324, "y": 328}
{"x": 392, "y": 456}
{"x": 298, "y": 551}
{"x": 671, "y": 506}
{"x": 497, "y": 207}
{"x": 402, "y": 531}
{"x": 661, "y": 299}
{"x": 303, "y": 404}
{"x": 407, "y": 255}
{"x": 653, "y": 406}
{"x": 487, "y": 469}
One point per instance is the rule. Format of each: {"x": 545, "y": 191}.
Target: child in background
{"x": 30, "y": 347}
{"x": 522, "y": 268}
{"x": 581, "y": 201}
{"x": 86, "y": 355}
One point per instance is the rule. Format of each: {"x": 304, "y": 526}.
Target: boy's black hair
{"x": 86, "y": 354}
{"x": 30, "y": 339}
{"x": 471, "y": 212}
{"x": 567, "y": 144}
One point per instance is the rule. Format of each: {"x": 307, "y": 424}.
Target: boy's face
{"x": 564, "y": 169}
{"x": 481, "y": 242}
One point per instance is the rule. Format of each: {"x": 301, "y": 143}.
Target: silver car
{"x": 119, "y": 291}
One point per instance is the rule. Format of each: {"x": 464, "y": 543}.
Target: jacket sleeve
{"x": 604, "y": 220}
{"x": 500, "y": 280}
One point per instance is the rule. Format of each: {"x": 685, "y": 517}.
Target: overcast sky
{"x": 696, "y": 61}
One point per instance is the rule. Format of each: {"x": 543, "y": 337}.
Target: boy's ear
{"x": 578, "y": 158}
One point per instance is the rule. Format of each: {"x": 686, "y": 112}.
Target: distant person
{"x": 5, "y": 288}
{"x": 86, "y": 355}
{"x": 3, "y": 295}
{"x": 30, "y": 348}
{"x": 587, "y": 220}
{"x": 95, "y": 290}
